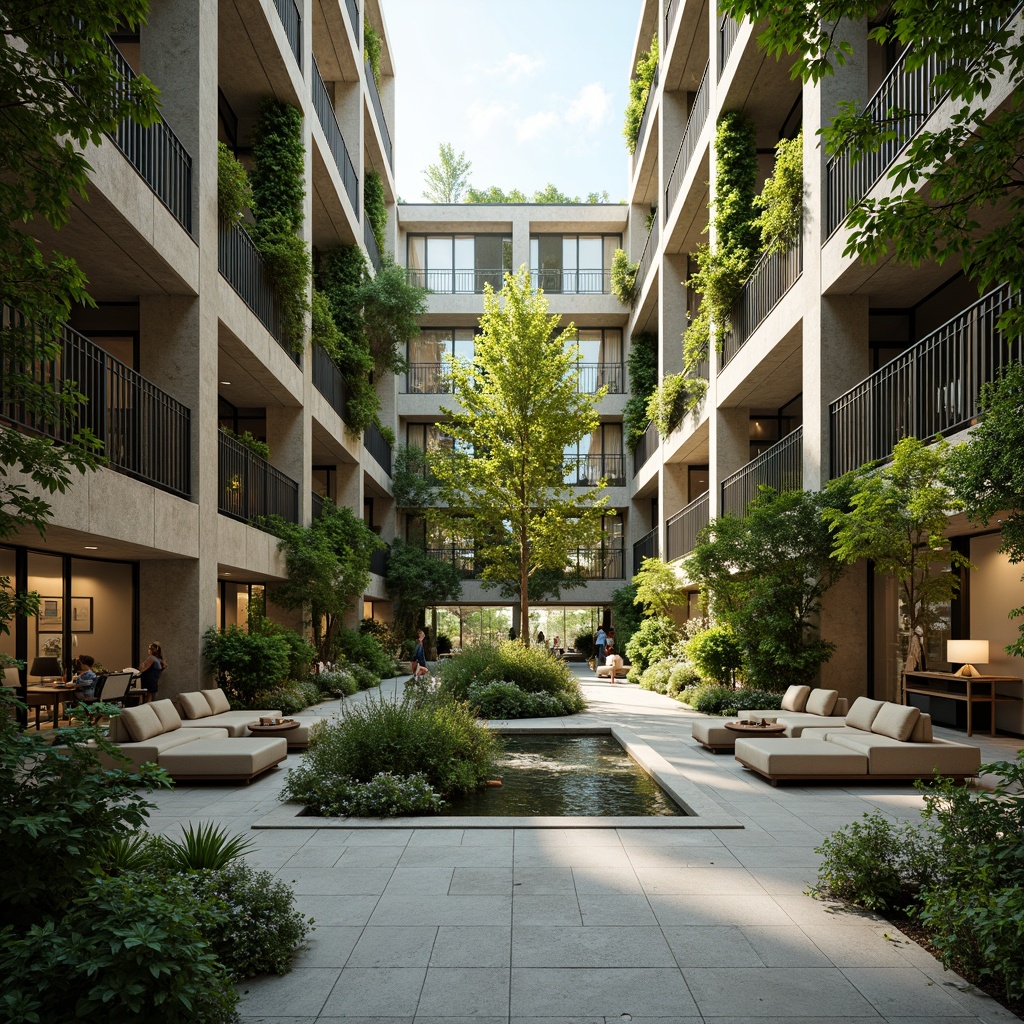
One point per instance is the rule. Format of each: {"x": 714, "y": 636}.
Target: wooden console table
{"x": 970, "y": 689}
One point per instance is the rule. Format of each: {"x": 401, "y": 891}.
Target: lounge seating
{"x": 802, "y": 708}
{"x": 154, "y": 733}
{"x": 210, "y": 709}
{"x": 880, "y": 740}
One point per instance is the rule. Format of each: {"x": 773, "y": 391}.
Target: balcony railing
{"x": 688, "y": 144}
{"x": 728, "y": 33}
{"x": 456, "y": 282}
{"x": 353, "y": 17}
{"x": 156, "y": 154}
{"x": 146, "y": 434}
{"x": 645, "y": 447}
{"x": 427, "y": 379}
{"x": 371, "y": 244}
{"x": 781, "y": 468}
{"x": 645, "y": 547}
{"x": 378, "y": 109}
{"x": 646, "y": 257}
{"x": 379, "y": 561}
{"x": 769, "y": 281}
{"x": 587, "y": 470}
{"x": 681, "y": 530}
{"x": 378, "y": 446}
{"x": 933, "y": 387}
{"x": 670, "y": 10}
{"x": 244, "y": 268}
{"x": 463, "y": 558}
{"x": 291, "y": 19}
{"x": 329, "y": 122}
{"x": 599, "y": 563}
{"x": 251, "y": 488}
{"x": 330, "y": 382}
{"x": 641, "y": 134}
{"x": 594, "y": 376}
{"x": 555, "y": 281}
{"x": 317, "y": 504}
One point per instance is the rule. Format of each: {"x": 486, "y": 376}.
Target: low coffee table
{"x": 752, "y": 729}
{"x": 285, "y": 725}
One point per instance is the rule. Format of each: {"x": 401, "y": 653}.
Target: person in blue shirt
{"x": 419, "y": 659}
{"x": 85, "y": 680}
{"x": 599, "y": 641}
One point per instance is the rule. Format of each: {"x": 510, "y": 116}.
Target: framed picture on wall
{"x": 81, "y": 615}
{"x": 50, "y": 645}
{"x": 50, "y": 618}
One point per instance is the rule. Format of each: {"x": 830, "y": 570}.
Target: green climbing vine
{"x": 375, "y": 209}
{"x": 623, "y": 277}
{"x": 643, "y": 379}
{"x": 639, "y": 89}
{"x": 234, "y": 193}
{"x": 675, "y": 396}
{"x": 371, "y": 50}
{"x": 782, "y": 198}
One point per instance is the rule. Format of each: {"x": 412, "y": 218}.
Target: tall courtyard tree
{"x": 447, "y": 179}
{"x": 971, "y": 160}
{"x": 520, "y": 409}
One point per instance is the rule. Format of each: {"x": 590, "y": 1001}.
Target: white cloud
{"x": 536, "y": 125}
{"x": 590, "y": 108}
{"x": 484, "y": 116}
{"x": 519, "y": 65}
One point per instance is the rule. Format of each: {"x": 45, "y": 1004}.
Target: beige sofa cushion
{"x": 225, "y": 758}
{"x": 798, "y": 725}
{"x": 802, "y": 757}
{"x": 169, "y": 717}
{"x": 888, "y": 756}
{"x": 217, "y": 700}
{"x": 142, "y": 722}
{"x": 795, "y": 698}
{"x": 152, "y": 749}
{"x": 895, "y": 720}
{"x": 922, "y": 729}
{"x": 821, "y": 702}
{"x": 236, "y": 722}
{"x": 863, "y": 712}
{"x": 194, "y": 705}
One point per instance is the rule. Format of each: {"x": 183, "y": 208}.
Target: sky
{"x": 532, "y": 92}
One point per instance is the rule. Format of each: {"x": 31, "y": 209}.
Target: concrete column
{"x": 729, "y": 449}
{"x": 520, "y": 237}
{"x": 290, "y": 436}
{"x": 673, "y": 313}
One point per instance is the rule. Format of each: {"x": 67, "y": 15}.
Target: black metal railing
{"x": 456, "y": 282}
{"x": 330, "y": 381}
{"x": 781, "y": 468}
{"x": 645, "y": 547}
{"x": 643, "y": 266}
{"x": 156, "y": 153}
{"x": 353, "y": 17}
{"x": 462, "y": 557}
{"x": 372, "y": 249}
{"x": 378, "y": 109}
{"x": 317, "y": 502}
{"x": 933, "y": 387}
{"x": 250, "y": 487}
{"x": 641, "y": 134}
{"x": 594, "y": 376}
{"x": 772, "y": 277}
{"x": 379, "y": 561}
{"x": 329, "y": 122}
{"x": 688, "y": 144}
{"x": 587, "y": 470}
{"x": 670, "y": 9}
{"x": 291, "y": 19}
{"x": 572, "y": 282}
{"x": 145, "y": 433}
{"x": 728, "y": 33}
{"x": 602, "y": 562}
{"x": 682, "y": 529}
{"x": 427, "y": 379}
{"x": 244, "y": 268}
{"x": 645, "y": 447}
{"x": 378, "y": 446}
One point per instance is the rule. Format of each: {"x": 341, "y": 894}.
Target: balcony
{"x": 146, "y": 434}
{"x": 594, "y": 376}
{"x": 291, "y": 19}
{"x": 641, "y": 134}
{"x": 463, "y": 557}
{"x": 728, "y": 33}
{"x": 379, "y": 561}
{"x": 378, "y": 446}
{"x": 603, "y": 562}
{"x": 688, "y": 144}
{"x": 456, "y": 282}
{"x": 772, "y": 277}
{"x": 250, "y": 488}
{"x": 378, "y": 110}
{"x": 781, "y": 468}
{"x": 427, "y": 379}
{"x": 329, "y": 122}
{"x": 353, "y": 16}
{"x": 587, "y": 470}
{"x": 934, "y": 387}
{"x": 643, "y": 267}
{"x": 645, "y": 547}
{"x": 372, "y": 249}
{"x": 243, "y": 267}
{"x": 555, "y": 281}
{"x": 156, "y": 154}
{"x": 670, "y": 10}
{"x": 645, "y": 447}
{"x": 682, "y": 529}
{"x": 330, "y": 382}
{"x": 317, "y": 502}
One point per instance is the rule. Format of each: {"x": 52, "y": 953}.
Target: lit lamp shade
{"x": 46, "y": 668}
{"x": 967, "y": 653}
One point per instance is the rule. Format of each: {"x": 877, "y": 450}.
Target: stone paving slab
{"x": 588, "y": 921}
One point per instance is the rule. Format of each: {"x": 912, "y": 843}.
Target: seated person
{"x": 612, "y": 660}
{"x": 85, "y": 680}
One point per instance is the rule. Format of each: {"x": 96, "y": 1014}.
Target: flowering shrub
{"x": 337, "y": 683}
{"x": 385, "y": 796}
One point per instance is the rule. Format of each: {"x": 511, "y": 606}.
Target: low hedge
{"x": 502, "y": 699}
{"x": 724, "y": 700}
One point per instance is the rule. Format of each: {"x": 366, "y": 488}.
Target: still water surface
{"x": 559, "y": 775}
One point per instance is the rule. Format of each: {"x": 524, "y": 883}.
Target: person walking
{"x": 419, "y": 659}
{"x": 599, "y": 643}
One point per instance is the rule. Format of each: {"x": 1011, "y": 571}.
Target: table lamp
{"x": 966, "y": 653}
{"x": 46, "y": 668}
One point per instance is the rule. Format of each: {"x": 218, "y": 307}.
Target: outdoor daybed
{"x": 880, "y": 740}
{"x": 210, "y": 709}
{"x": 802, "y": 708}
{"x": 154, "y": 733}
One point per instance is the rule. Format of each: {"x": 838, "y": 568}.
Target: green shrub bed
{"x": 709, "y": 699}
{"x": 502, "y": 699}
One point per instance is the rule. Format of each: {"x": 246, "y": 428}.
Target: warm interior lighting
{"x": 966, "y": 653}
{"x": 91, "y": 547}
{"x": 46, "y": 668}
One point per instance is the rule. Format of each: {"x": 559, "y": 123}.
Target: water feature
{"x": 566, "y": 775}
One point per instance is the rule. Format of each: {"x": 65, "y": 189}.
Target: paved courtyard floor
{"x": 590, "y": 925}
